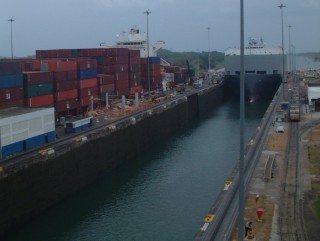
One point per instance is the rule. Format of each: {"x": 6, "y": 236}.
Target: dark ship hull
{"x": 257, "y": 87}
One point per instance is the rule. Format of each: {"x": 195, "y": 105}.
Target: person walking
{"x": 248, "y": 228}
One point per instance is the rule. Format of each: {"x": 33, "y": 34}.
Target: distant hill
{"x": 195, "y": 59}
{"x": 314, "y": 55}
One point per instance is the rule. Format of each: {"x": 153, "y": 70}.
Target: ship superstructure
{"x": 135, "y": 39}
{"x": 262, "y": 66}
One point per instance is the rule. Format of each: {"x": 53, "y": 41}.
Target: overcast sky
{"x": 182, "y": 24}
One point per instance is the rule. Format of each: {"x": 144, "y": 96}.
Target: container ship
{"x": 58, "y": 132}
{"x": 70, "y": 82}
{"x": 262, "y": 66}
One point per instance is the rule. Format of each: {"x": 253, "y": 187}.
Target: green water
{"x": 162, "y": 195}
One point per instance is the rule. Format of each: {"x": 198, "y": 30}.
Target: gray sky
{"x": 182, "y": 24}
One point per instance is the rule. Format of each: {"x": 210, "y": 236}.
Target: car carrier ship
{"x": 262, "y": 66}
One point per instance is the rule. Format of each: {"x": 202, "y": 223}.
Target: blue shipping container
{"x": 12, "y": 149}
{"x": 34, "y": 142}
{"x": 153, "y": 60}
{"x": 87, "y": 73}
{"x": 70, "y": 129}
{"x": 9, "y": 81}
{"x": 51, "y": 136}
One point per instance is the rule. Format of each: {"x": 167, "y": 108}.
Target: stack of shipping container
{"x": 65, "y": 84}
{"x": 105, "y": 85}
{"x": 11, "y": 84}
{"x": 154, "y": 73}
{"x": 178, "y": 76}
{"x": 68, "y": 78}
{"x": 38, "y": 88}
{"x": 87, "y": 81}
{"x": 135, "y": 83}
{"x": 114, "y": 61}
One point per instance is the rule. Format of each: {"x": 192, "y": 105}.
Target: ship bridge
{"x": 137, "y": 40}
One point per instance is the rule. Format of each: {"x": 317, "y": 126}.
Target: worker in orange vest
{"x": 248, "y": 228}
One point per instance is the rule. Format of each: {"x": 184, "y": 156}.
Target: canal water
{"x": 162, "y": 195}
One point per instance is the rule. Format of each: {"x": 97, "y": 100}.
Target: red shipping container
{"x": 106, "y": 61}
{"x": 37, "y": 77}
{"x": 88, "y": 91}
{"x": 117, "y": 52}
{"x": 91, "y": 52}
{"x": 106, "y": 88}
{"x": 151, "y": 66}
{"x": 53, "y": 53}
{"x": 121, "y": 77}
{"x": 119, "y": 60}
{"x": 11, "y": 94}
{"x": 27, "y": 67}
{"x": 63, "y": 106}
{"x": 38, "y": 101}
{"x": 12, "y": 103}
{"x": 72, "y": 75}
{"x": 135, "y": 89}
{"x": 86, "y": 83}
{"x": 60, "y": 76}
{"x": 121, "y": 84}
{"x": 119, "y": 68}
{"x": 86, "y": 101}
{"x": 105, "y": 79}
{"x": 103, "y": 69}
{"x": 86, "y": 63}
{"x": 121, "y": 92}
{"x": 134, "y": 60}
{"x": 172, "y": 69}
{"x": 36, "y": 65}
{"x": 65, "y": 95}
{"x": 133, "y": 83}
{"x": 135, "y": 76}
{"x": 42, "y": 54}
{"x": 134, "y": 68}
{"x": 65, "y": 85}
{"x": 54, "y": 65}
{"x": 134, "y": 53}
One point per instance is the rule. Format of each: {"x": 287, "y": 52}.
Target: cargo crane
{"x": 190, "y": 73}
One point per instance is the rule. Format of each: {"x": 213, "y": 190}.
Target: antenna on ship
{"x": 147, "y": 13}
{"x": 11, "y": 20}
{"x": 283, "y": 76}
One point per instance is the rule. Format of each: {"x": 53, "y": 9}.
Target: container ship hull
{"x": 262, "y": 68}
{"x": 256, "y": 86}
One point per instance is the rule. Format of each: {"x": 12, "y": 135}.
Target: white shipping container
{"x": 18, "y": 124}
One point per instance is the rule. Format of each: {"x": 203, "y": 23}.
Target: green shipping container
{"x": 99, "y": 59}
{"x": 37, "y": 90}
{"x": 74, "y": 52}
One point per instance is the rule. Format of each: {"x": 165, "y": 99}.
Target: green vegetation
{"x": 196, "y": 59}
{"x": 314, "y": 157}
{"x": 317, "y": 207}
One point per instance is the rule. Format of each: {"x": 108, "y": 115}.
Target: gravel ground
{"x": 276, "y": 144}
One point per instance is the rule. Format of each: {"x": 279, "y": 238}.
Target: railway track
{"x": 269, "y": 167}
{"x": 291, "y": 220}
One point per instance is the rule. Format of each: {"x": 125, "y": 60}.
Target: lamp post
{"x": 11, "y": 20}
{"x": 198, "y": 63}
{"x": 209, "y": 48}
{"x": 242, "y": 119}
{"x": 290, "y": 52}
{"x": 147, "y": 12}
{"x": 293, "y": 48}
{"x": 281, "y": 6}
